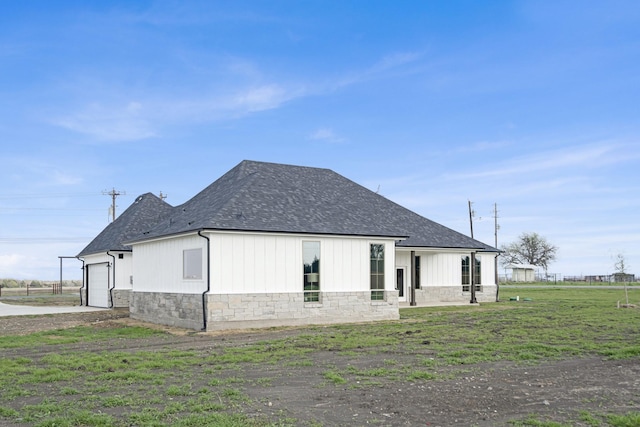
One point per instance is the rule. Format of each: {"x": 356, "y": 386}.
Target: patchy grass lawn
{"x": 119, "y": 375}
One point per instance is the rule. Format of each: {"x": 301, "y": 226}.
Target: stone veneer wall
{"x": 434, "y": 294}
{"x": 237, "y": 311}
{"x": 121, "y": 297}
{"x": 181, "y": 310}
{"x": 231, "y": 311}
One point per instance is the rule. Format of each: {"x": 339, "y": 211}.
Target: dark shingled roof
{"x": 146, "y": 211}
{"x": 270, "y": 197}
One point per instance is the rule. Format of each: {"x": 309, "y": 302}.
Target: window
{"x": 192, "y": 264}
{"x": 311, "y": 271}
{"x": 417, "y": 265}
{"x": 477, "y": 276}
{"x": 465, "y": 274}
{"x": 377, "y": 272}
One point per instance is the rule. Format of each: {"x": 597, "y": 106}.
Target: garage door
{"x": 98, "y": 280}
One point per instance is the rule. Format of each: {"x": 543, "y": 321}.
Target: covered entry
{"x": 401, "y": 283}
{"x": 98, "y": 285}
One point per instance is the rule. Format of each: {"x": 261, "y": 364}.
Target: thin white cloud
{"x": 137, "y": 120}
{"x": 327, "y": 135}
{"x": 576, "y": 156}
{"x": 110, "y": 123}
{"x": 261, "y": 98}
{"x": 394, "y": 60}
{"x": 483, "y": 146}
{"x": 65, "y": 178}
{"x": 386, "y": 64}
{"x": 9, "y": 261}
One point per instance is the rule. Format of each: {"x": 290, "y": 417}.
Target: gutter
{"x": 204, "y": 301}
{"x": 495, "y": 267}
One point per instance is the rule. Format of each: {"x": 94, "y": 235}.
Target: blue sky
{"x": 532, "y": 105}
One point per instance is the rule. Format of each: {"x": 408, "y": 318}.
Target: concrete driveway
{"x": 26, "y": 310}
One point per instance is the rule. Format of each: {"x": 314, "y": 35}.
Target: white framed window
{"x": 311, "y": 271}
{"x": 477, "y": 274}
{"x": 192, "y": 264}
{"x": 377, "y": 271}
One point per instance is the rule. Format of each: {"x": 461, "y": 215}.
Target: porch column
{"x": 472, "y": 278}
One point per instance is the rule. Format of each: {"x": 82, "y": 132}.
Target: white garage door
{"x": 98, "y": 279}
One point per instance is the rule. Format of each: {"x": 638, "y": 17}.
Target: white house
{"x": 270, "y": 244}
{"x": 108, "y": 261}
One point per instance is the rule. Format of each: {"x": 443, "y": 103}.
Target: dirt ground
{"x": 490, "y": 394}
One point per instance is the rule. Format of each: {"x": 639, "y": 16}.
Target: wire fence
{"x": 587, "y": 279}
{"x": 52, "y": 289}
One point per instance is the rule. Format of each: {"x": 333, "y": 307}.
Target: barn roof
{"x": 271, "y": 197}
{"x": 146, "y": 211}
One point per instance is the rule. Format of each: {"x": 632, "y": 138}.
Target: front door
{"x": 401, "y": 283}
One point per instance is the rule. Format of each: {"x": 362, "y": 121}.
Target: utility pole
{"x": 162, "y": 196}
{"x": 113, "y": 193}
{"x": 471, "y": 214}
{"x": 472, "y": 261}
{"x": 496, "y": 228}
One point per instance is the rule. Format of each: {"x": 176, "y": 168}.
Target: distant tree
{"x": 530, "y": 248}
{"x": 621, "y": 267}
{"x": 10, "y": 283}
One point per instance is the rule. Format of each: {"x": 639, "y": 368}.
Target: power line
{"x": 17, "y": 240}
{"x": 48, "y": 209}
{"x": 45, "y": 195}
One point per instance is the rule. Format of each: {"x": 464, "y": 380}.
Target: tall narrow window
{"x": 417, "y": 264}
{"x": 192, "y": 264}
{"x": 311, "y": 271}
{"x": 477, "y": 275}
{"x": 377, "y": 272}
{"x": 465, "y": 274}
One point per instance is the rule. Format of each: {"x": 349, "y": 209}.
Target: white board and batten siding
{"x": 247, "y": 263}
{"x": 444, "y": 267}
{"x": 158, "y": 265}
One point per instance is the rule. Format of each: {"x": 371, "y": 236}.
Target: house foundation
{"x": 240, "y": 311}
{"x": 453, "y": 294}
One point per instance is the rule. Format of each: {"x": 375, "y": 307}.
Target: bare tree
{"x": 530, "y": 248}
{"x": 621, "y": 270}
{"x": 620, "y": 264}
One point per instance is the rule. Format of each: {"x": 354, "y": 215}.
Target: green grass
{"x": 630, "y": 419}
{"x": 75, "y": 335}
{"x": 210, "y": 386}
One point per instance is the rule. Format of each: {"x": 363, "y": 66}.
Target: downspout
{"x": 83, "y": 281}
{"x": 497, "y": 278}
{"x": 204, "y": 301}
{"x": 114, "y": 280}
{"x": 412, "y": 301}
{"x": 472, "y": 277}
